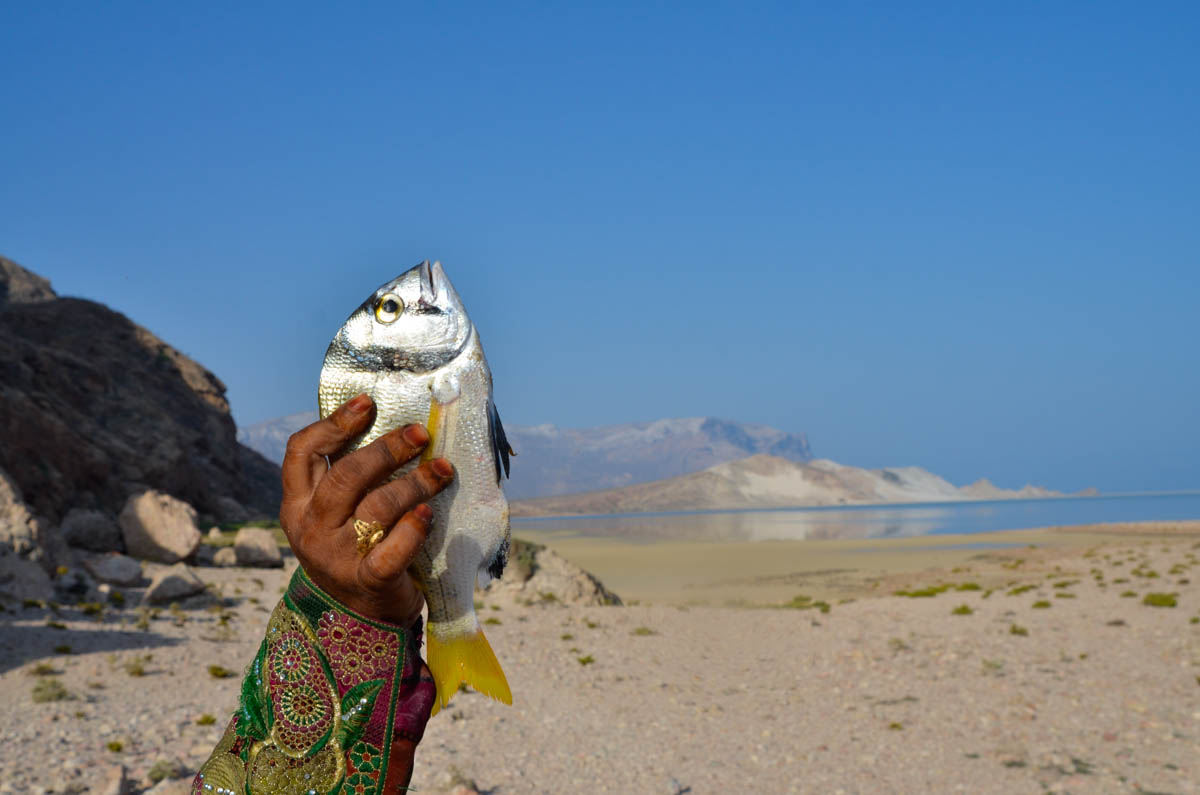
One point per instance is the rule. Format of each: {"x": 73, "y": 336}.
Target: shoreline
{"x": 763, "y": 573}
{"x": 517, "y": 506}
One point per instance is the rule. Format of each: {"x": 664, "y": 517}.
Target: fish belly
{"x": 470, "y": 525}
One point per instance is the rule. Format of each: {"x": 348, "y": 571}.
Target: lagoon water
{"x": 870, "y": 521}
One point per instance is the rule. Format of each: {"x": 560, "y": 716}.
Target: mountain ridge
{"x": 765, "y": 481}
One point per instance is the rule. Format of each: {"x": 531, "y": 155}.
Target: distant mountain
{"x": 552, "y": 460}
{"x": 765, "y": 481}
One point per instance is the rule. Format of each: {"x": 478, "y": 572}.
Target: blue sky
{"x": 962, "y": 236}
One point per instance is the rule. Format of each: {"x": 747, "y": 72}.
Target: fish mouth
{"x": 436, "y": 292}
{"x": 429, "y": 286}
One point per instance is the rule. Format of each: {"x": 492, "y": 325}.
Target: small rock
{"x": 158, "y": 527}
{"x": 255, "y": 546}
{"x": 22, "y": 578}
{"x": 75, "y": 585}
{"x": 174, "y": 583}
{"x": 110, "y": 782}
{"x": 115, "y": 569}
{"x": 214, "y": 533}
{"x": 225, "y": 556}
{"x": 92, "y": 530}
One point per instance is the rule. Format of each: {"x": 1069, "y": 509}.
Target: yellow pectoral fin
{"x": 433, "y": 425}
{"x": 464, "y": 658}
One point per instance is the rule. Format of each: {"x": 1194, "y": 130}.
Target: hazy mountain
{"x": 765, "y": 481}
{"x": 552, "y": 460}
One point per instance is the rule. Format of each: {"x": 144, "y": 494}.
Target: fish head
{"x": 416, "y": 323}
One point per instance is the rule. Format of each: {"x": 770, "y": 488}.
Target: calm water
{"x": 874, "y": 521}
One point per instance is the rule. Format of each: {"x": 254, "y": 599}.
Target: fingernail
{"x": 360, "y": 403}
{"x": 416, "y": 435}
{"x": 441, "y": 467}
{"x": 423, "y": 512}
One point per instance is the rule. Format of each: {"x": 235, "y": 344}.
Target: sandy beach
{"x": 1029, "y": 661}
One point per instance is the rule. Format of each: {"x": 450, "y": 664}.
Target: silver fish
{"x": 414, "y": 350}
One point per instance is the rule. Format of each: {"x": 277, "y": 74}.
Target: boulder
{"x": 225, "y": 556}
{"x": 255, "y": 546}
{"x": 177, "y": 582}
{"x": 92, "y": 530}
{"x": 535, "y": 573}
{"x": 23, "y": 561}
{"x": 158, "y": 527}
{"x": 115, "y": 569}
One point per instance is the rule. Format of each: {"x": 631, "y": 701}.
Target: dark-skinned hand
{"x": 321, "y": 502}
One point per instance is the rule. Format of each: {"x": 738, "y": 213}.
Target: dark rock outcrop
{"x": 94, "y": 408}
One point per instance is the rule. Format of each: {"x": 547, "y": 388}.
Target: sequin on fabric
{"x": 321, "y": 702}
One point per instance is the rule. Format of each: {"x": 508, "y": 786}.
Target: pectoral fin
{"x": 443, "y": 416}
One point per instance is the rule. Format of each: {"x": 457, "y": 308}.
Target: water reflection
{"x": 886, "y": 521}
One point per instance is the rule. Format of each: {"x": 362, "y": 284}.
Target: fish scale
{"x": 424, "y": 363}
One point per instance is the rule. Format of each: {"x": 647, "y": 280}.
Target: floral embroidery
{"x": 357, "y": 651}
{"x": 359, "y": 784}
{"x": 365, "y": 758}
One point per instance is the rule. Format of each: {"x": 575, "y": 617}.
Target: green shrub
{"x": 1160, "y": 600}
{"x": 1020, "y": 589}
{"x": 219, "y": 672}
{"x": 643, "y": 631}
{"x": 962, "y": 610}
{"x": 492, "y": 620}
{"x": 206, "y": 720}
{"x": 1041, "y": 604}
{"x": 1017, "y": 629}
{"x": 115, "y": 746}
{"x": 50, "y": 689}
{"x": 588, "y": 660}
{"x": 919, "y": 593}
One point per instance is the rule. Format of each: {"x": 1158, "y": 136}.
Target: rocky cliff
{"x": 93, "y": 408}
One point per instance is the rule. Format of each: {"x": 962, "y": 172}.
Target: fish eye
{"x": 388, "y": 308}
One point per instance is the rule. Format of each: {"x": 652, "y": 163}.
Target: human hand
{"x": 321, "y": 502}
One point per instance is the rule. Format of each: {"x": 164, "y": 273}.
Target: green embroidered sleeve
{"x": 321, "y": 703}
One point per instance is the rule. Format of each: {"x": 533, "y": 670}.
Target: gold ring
{"x": 369, "y": 534}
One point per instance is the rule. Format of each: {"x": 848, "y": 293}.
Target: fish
{"x": 412, "y": 347}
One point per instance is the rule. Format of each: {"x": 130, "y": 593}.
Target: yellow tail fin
{"x": 464, "y": 658}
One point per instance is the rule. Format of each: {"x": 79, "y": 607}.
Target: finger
{"x": 339, "y": 491}
{"x": 392, "y": 500}
{"x": 390, "y": 558}
{"x": 324, "y": 437}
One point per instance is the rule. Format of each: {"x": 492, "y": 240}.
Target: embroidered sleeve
{"x": 321, "y": 703}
